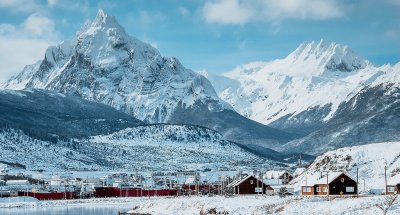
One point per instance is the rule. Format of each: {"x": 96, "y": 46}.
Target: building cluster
{"x": 274, "y": 182}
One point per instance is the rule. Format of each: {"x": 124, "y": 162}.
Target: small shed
{"x": 333, "y": 183}
{"x": 393, "y": 184}
{"x": 249, "y": 185}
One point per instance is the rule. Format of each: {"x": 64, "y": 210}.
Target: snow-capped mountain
{"x": 316, "y": 76}
{"x": 372, "y": 115}
{"x": 104, "y": 64}
{"x": 322, "y": 91}
{"x": 150, "y": 148}
{"x": 370, "y": 160}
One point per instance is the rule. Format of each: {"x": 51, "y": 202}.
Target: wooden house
{"x": 249, "y": 185}
{"x": 281, "y": 177}
{"x": 393, "y": 185}
{"x": 333, "y": 183}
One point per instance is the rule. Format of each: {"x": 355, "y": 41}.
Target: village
{"x": 190, "y": 183}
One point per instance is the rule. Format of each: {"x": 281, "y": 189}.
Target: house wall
{"x": 396, "y": 189}
{"x": 337, "y": 187}
{"x": 246, "y": 187}
{"x": 321, "y": 190}
{"x": 307, "y": 193}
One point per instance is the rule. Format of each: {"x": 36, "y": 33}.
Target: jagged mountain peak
{"x": 103, "y": 63}
{"x": 102, "y": 21}
{"x": 328, "y": 56}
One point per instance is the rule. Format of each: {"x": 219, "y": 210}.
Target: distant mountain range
{"x": 103, "y": 82}
{"x": 322, "y": 91}
{"x": 104, "y": 64}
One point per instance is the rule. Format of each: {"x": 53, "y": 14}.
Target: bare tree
{"x": 387, "y": 203}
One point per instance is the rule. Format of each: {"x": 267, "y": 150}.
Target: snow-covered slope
{"x": 322, "y": 91}
{"x": 150, "y": 148}
{"x": 304, "y": 89}
{"x": 104, "y": 64}
{"x": 371, "y": 116}
{"x": 369, "y": 159}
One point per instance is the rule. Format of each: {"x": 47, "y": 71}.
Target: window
{"x": 390, "y": 189}
{"x": 251, "y": 181}
{"x": 325, "y": 189}
{"x": 306, "y": 189}
{"x": 349, "y": 189}
{"x": 342, "y": 180}
{"x": 318, "y": 189}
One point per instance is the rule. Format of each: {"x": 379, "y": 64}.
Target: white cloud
{"x": 20, "y": 5}
{"x": 24, "y": 43}
{"x": 241, "y": 12}
{"x": 226, "y": 12}
{"x": 73, "y": 5}
{"x": 51, "y": 3}
{"x": 39, "y": 26}
{"x": 183, "y": 11}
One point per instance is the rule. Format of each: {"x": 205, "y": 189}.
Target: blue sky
{"x": 215, "y": 35}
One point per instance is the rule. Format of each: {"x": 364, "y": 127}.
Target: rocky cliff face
{"x": 104, "y": 64}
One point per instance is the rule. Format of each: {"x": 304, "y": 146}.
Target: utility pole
{"x": 385, "y": 179}
{"x": 357, "y": 181}
{"x": 327, "y": 185}
{"x": 262, "y": 183}
{"x": 257, "y": 182}
{"x": 300, "y": 164}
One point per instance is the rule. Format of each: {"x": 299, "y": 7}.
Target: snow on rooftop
{"x": 317, "y": 179}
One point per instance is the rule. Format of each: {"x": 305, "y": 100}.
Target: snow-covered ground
{"x": 370, "y": 160}
{"x": 232, "y": 205}
{"x": 151, "y": 148}
{"x": 264, "y": 205}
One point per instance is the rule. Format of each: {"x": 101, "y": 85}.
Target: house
{"x": 281, "y": 177}
{"x": 249, "y": 185}
{"x": 393, "y": 185}
{"x": 333, "y": 183}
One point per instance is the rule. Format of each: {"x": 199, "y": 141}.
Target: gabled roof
{"x": 274, "y": 174}
{"x": 317, "y": 179}
{"x": 394, "y": 180}
{"x": 241, "y": 180}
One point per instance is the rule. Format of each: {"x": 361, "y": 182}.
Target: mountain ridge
{"x": 104, "y": 64}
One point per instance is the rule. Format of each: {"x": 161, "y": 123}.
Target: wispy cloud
{"x": 183, "y": 11}
{"x": 72, "y": 5}
{"x": 227, "y": 12}
{"x": 241, "y": 12}
{"x": 28, "y": 6}
{"x": 24, "y": 43}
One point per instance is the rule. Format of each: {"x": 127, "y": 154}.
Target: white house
{"x": 280, "y": 177}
